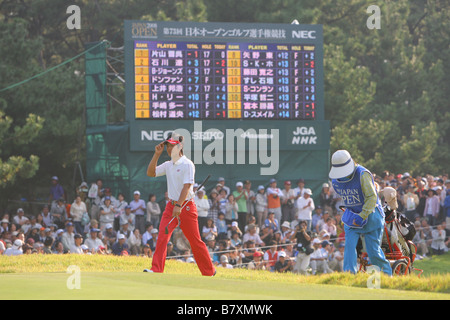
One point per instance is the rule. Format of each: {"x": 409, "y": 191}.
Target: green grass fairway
{"x": 107, "y": 277}
{"x": 137, "y": 285}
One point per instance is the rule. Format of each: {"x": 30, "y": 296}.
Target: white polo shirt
{"x": 178, "y": 174}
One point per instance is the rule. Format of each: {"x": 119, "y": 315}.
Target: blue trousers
{"x": 373, "y": 233}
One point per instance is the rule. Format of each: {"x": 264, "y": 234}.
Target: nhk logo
{"x": 304, "y": 135}
{"x": 234, "y": 146}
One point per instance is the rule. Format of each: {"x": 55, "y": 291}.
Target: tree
{"x": 14, "y": 166}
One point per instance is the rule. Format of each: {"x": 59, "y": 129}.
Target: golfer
{"x": 180, "y": 173}
{"x": 364, "y": 213}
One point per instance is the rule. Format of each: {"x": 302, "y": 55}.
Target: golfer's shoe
{"x": 148, "y": 270}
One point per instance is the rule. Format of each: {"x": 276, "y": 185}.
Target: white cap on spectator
{"x": 17, "y": 244}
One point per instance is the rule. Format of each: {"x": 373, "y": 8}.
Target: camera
{"x": 290, "y": 203}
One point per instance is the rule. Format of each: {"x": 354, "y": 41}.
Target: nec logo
{"x": 303, "y": 34}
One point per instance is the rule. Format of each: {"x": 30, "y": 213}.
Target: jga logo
{"x": 304, "y": 135}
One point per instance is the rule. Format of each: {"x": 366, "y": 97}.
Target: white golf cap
{"x": 342, "y": 165}
{"x": 17, "y": 243}
{"x": 308, "y": 191}
{"x": 286, "y": 224}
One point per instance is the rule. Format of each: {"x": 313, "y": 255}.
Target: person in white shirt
{"x": 224, "y": 262}
{"x": 129, "y": 217}
{"x": 46, "y": 216}
{"x": 107, "y": 213}
{"x": 438, "y": 243}
{"x": 180, "y": 175}
{"x": 20, "y": 218}
{"x": 153, "y": 211}
{"x": 300, "y": 190}
{"x": 147, "y": 234}
{"x": 68, "y": 237}
{"x": 77, "y": 209}
{"x": 93, "y": 242}
{"x": 337, "y": 259}
{"x": 305, "y": 207}
{"x": 261, "y": 206}
{"x": 319, "y": 258}
{"x": 76, "y": 246}
{"x": 139, "y": 209}
{"x": 202, "y": 208}
{"x": 252, "y": 235}
{"x": 15, "y": 249}
{"x": 221, "y": 181}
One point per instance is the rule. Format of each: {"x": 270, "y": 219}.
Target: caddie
{"x": 363, "y": 214}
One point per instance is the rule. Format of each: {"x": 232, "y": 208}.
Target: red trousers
{"x": 189, "y": 226}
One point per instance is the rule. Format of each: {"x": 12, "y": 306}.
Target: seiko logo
{"x": 219, "y": 147}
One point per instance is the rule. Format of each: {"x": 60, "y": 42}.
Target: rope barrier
{"x": 227, "y": 251}
{"x": 54, "y": 67}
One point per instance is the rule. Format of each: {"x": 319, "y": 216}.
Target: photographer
{"x": 303, "y": 237}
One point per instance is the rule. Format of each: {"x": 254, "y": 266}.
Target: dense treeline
{"x": 386, "y": 90}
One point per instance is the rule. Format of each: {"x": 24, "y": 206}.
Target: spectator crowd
{"x": 275, "y": 228}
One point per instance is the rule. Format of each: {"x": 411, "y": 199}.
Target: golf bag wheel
{"x": 400, "y": 268}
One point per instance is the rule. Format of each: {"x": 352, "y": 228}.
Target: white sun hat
{"x": 342, "y": 165}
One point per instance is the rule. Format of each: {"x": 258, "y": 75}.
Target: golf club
{"x": 199, "y": 187}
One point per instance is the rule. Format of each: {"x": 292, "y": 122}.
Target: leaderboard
{"x": 209, "y": 80}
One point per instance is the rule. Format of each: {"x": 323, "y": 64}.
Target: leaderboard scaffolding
{"x": 182, "y": 80}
